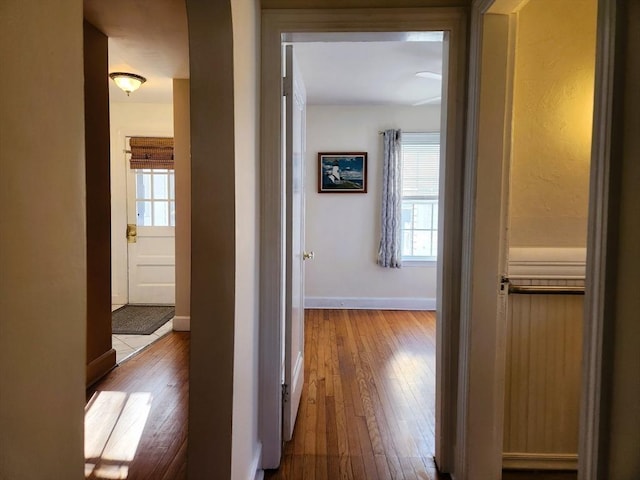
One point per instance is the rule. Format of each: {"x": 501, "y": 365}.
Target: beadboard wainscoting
{"x": 544, "y": 361}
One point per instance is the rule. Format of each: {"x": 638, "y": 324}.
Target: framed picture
{"x": 342, "y": 172}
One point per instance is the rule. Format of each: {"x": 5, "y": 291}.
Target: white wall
{"x": 246, "y": 448}
{"x": 343, "y": 229}
{"x": 128, "y": 119}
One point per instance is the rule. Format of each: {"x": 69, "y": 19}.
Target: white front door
{"x": 295, "y": 110}
{"x": 151, "y": 236}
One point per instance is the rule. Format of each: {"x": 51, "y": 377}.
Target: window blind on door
{"x": 151, "y": 152}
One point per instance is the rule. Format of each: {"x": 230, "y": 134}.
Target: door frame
{"x": 598, "y": 333}
{"x": 481, "y": 387}
{"x": 276, "y": 23}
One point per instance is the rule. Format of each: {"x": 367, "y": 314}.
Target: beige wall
{"x": 182, "y": 149}
{"x": 43, "y": 287}
{"x": 213, "y": 249}
{"x": 553, "y": 105}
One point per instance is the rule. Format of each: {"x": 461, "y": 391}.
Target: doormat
{"x": 140, "y": 319}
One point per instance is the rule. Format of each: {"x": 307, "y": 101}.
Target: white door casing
{"x": 295, "y": 110}
{"x": 151, "y": 257}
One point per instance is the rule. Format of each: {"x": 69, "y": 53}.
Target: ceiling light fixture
{"x": 128, "y": 82}
{"x": 431, "y": 75}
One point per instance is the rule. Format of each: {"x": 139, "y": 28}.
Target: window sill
{"x": 419, "y": 263}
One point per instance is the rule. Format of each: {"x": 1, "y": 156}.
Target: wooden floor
{"x": 367, "y": 408}
{"x": 136, "y": 417}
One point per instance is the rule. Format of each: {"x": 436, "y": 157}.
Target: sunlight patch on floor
{"x": 114, "y": 422}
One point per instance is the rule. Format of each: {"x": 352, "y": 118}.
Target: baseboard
{"x": 370, "y": 303}
{"x": 99, "y": 367}
{"x": 540, "y": 461}
{"x": 119, "y": 299}
{"x": 255, "y": 465}
{"x": 547, "y": 262}
{"x": 182, "y": 324}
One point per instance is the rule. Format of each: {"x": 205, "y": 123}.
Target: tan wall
{"x": 42, "y": 242}
{"x": 213, "y": 230}
{"x": 182, "y": 148}
{"x": 553, "y": 109}
{"x": 100, "y": 356}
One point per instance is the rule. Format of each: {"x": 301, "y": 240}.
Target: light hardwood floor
{"x": 367, "y": 408}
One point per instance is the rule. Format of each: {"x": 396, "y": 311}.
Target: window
{"x": 420, "y": 180}
{"x": 155, "y": 197}
{"x": 152, "y": 163}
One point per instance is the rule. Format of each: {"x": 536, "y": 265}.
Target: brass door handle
{"x": 307, "y": 256}
{"x": 132, "y": 233}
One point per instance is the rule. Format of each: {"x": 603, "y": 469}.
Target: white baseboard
{"x": 255, "y": 465}
{"x": 119, "y": 299}
{"x": 182, "y": 324}
{"x": 530, "y": 262}
{"x": 370, "y": 303}
{"x": 540, "y": 461}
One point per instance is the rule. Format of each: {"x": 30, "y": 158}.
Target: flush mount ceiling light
{"x": 128, "y": 82}
{"x": 430, "y": 75}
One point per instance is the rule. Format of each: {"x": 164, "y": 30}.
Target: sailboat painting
{"x": 342, "y": 172}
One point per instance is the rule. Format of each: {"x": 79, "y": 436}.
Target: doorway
{"x": 150, "y": 281}
{"x": 151, "y": 221}
{"x": 272, "y": 271}
{"x": 356, "y": 88}
{"x": 494, "y": 431}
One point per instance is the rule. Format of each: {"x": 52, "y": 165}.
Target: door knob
{"x": 132, "y": 233}
{"x": 307, "y": 256}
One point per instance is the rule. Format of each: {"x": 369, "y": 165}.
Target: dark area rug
{"x": 140, "y": 319}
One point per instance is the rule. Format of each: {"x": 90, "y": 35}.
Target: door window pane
{"x": 143, "y": 186}
{"x": 155, "y": 197}
{"x": 161, "y": 214}
{"x": 144, "y": 211}
{"x": 160, "y": 187}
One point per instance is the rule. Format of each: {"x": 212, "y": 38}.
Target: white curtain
{"x": 389, "y": 252}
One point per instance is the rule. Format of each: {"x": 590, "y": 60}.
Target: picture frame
{"x": 342, "y": 172}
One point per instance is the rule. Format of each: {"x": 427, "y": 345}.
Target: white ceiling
{"x": 370, "y": 73}
{"x": 151, "y": 39}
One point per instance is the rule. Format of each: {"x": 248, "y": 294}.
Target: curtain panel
{"x": 389, "y": 255}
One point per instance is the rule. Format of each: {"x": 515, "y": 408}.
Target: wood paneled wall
{"x": 542, "y": 391}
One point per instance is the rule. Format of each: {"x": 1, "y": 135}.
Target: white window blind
{"x": 420, "y": 164}
{"x": 420, "y": 182}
